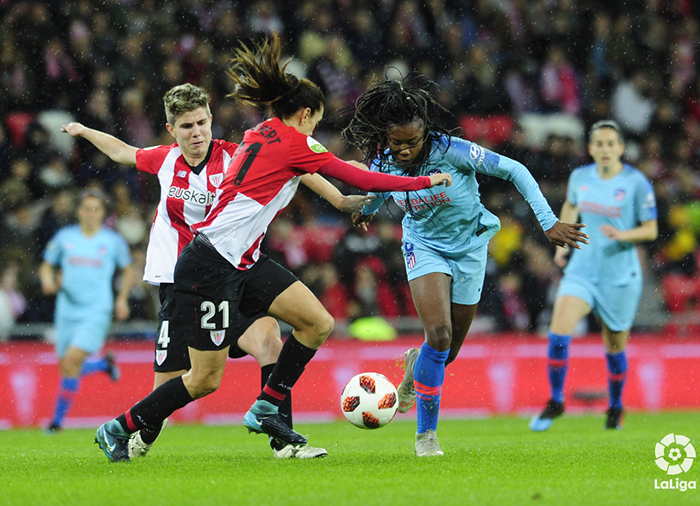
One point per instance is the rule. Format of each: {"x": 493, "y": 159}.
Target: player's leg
{"x": 617, "y": 307}
{"x": 170, "y": 361}
{"x": 261, "y": 340}
{"x": 567, "y": 313}
{"x": 275, "y": 290}
{"x": 75, "y": 342}
{"x": 70, "y": 365}
{"x": 615, "y": 344}
{"x": 431, "y": 296}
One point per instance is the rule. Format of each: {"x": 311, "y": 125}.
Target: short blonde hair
{"x": 184, "y": 98}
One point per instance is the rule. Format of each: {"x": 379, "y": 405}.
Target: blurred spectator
{"x": 12, "y": 302}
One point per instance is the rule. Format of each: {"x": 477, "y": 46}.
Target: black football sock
{"x": 150, "y": 434}
{"x": 150, "y": 411}
{"x": 285, "y": 409}
{"x": 289, "y": 367}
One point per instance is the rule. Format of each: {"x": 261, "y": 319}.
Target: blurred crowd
{"x": 107, "y": 64}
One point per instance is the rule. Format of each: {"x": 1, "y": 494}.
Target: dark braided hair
{"x": 260, "y": 80}
{"x": 393, "y": 103}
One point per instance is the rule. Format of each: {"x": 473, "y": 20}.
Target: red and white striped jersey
{"x": 185, "y": 198}
{"x": 262, "y": 179}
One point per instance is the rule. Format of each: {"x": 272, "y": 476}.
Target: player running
{"x": 79, "y": 266}
{"x": 223, "y": 271}
{"x": 190, "y": 173}
{"x": 617, "y": 202}
{"x": 445, "y": 230}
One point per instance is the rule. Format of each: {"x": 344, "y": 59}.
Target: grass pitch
{"x": 487, "y": 461}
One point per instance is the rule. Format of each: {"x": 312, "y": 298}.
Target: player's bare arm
{"x": 117, "y": 150}
{"x": 345, "y": 203}
{"x": 646, "y": 231}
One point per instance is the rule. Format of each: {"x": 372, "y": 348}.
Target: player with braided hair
{"x": 222, "y": 271}
{"x": 445, "y": 230}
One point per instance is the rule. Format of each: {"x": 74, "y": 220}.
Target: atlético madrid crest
{"x": 217, "y": 336}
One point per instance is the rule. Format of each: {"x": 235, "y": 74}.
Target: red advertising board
{"x": 503, "y": 374}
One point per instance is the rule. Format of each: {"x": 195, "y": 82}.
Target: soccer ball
{"x": 369, "y": 400}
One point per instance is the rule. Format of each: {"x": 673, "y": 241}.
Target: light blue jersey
{"x": 87, "y": 265}
{"x": 452, "y": 219}
{"x": 623, "y": 201}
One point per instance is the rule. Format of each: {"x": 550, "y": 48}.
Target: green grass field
{"x": 487, "y": 461}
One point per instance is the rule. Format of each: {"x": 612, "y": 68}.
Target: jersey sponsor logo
{"x": 314, "y": 145}
{"x": 477, "y": 153}
{"x": 84, "y": 261}
{"x": 434, "y": 171}
{"x": 181, "y": 173}
{"x": 593, "y": 208}
{"x": 217, "y": 336}
{"x": 215, "y": 179}
{"x": 191, "y": 195}
{"x": 160, "y": 356}
{"x": 583, "y": 188}
{"x": 620, "y": 194}
{"x": 425, "y": 202}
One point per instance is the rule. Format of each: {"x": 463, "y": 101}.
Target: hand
{"x": 610, "y": 232}
{"x": 49, "y": 287}
{"x": 567, "y": 234}
{"x": 121, "y": 310}
{"x": 354, "y": 203}
{"x": 74, "y": 129}
{"x": 356, "y": 164}
{"x": 360, "y": 220}
{"x": 438, "y": 179}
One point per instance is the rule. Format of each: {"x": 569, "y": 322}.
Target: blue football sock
{"x": 557, "y": 363}
{"x": 429, "y": 375}
{"x": 93, "y": 365}
{"x": 66, "y": 394}
{"x": 617, "y": 371}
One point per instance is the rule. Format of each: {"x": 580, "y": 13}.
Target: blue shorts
{"x": 615, "y": 305}
{"x": 88, "y": 334}
{"x": 467, "y": 271}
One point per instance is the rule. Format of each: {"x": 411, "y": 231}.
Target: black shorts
{"x": 211, "y": 295}
{"x": 171, "y": 343}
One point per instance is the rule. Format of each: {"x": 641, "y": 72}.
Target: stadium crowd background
{"x": 525, "y": 78}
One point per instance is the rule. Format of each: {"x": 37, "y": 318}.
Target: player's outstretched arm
{"x": 567, "y": 234}
{"x": 119, "y": 151}
{"x": 345, "y": 203}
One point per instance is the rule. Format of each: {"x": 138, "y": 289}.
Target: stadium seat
{"x": 17, "y": 123}
{"x": 492, "y": 129}
{"x": 680, "y": 292}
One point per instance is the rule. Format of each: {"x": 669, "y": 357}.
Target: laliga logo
{"x": 675, "y": 454}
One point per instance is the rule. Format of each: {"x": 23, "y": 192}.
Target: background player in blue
{"x": 617, "y": 203}
{"x": 79, "y": 266}
{"x": 445, "y": 230}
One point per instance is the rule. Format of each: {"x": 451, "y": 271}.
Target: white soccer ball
{"x": 369, "y": 400}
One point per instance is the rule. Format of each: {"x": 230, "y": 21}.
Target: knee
{"x": 439, "y": 337}
{"x": 320, "y": 329}
{"x": 269, "y": 345}
{"x": 201, "y": 386}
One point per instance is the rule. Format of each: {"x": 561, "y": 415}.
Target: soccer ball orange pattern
{"x": 369, "y": 400}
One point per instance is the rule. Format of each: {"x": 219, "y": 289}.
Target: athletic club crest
{"x": 217, "y": 336}
{"x": 160, "y": 356}
{"x": 215, "y": 179}
{"x": 620, "y": 194}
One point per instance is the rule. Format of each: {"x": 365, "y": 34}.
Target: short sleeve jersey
{"x": 623, "y": 201}
{"x": 87, "y": 268}
{"x": 453, "y": 219}
{"x": 186, "y": 196}
{"x": 260, "y": 182}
